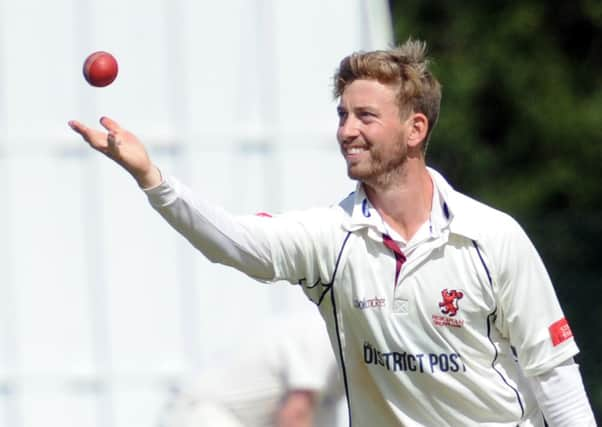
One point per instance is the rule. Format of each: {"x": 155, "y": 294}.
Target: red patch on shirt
{"x": 560, "y": 331}
{"x": 264, "y": 214}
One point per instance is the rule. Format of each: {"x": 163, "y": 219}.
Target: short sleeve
{"x": 529, "y": 309}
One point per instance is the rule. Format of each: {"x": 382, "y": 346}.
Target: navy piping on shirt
{"x": 336, "y": 324}
{"x": 328, "y": 287}
{"x": 489, "y": 322}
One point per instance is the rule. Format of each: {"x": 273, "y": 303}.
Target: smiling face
{"x": 372, "y": 132}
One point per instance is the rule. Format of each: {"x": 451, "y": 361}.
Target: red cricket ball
{"x": 100, "y": 69}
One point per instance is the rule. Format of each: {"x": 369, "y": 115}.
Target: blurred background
{"x": 103, "y": 307}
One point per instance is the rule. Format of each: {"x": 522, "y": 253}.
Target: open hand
{"x": 123, "y": 147}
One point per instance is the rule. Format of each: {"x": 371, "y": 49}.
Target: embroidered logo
{"x": 449, "y": 305}
{"x": 263, "y": 214}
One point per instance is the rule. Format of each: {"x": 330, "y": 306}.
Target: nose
{"x": 348, "y": 129}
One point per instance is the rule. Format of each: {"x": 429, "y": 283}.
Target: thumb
{"x": 109, "y": 124}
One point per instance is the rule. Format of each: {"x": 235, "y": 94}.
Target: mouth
{"x": 353, "y": 151}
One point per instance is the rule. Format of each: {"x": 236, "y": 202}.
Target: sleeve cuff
{"x": 163, "y": 194}
{"x": 570, "y": 350}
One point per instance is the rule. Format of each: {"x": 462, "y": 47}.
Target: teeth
{"x": 355, "y": 150}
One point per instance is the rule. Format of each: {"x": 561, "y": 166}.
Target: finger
{"x": 78, "y": 127}
{"x": 112, "y": 141}
{"x": 110, "y": 124}
{"x": 82, "y": 129}
{"x": 96, "y": 139}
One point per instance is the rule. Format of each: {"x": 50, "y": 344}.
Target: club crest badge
{"x": 449, "y": 304}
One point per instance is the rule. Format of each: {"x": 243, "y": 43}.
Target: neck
{"x": 404, "y": 201}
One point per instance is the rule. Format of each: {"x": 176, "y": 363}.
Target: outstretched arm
{"x": 214, "y": 232}
{"x": 123, "y": 147}
{"x": 245, "y": 243}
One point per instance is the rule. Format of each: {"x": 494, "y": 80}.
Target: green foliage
{"x": 521, "y": 129}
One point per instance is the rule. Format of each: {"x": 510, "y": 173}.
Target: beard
{"x": 381, "y": 166}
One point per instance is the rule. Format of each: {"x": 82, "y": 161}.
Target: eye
{"x": 342, "y": 114}
{"x": 366, "y": 116}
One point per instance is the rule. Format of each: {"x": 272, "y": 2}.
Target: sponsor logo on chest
{"x": 366, "y": 303}
{"x": 402, "y": 361}
{"x": 448, "y": 307}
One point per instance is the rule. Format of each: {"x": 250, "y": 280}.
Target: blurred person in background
{"x": 284, "y": 375}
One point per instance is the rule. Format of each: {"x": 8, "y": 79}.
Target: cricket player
{"x": 283, "y": 375}
{"x": 438, "y": 307}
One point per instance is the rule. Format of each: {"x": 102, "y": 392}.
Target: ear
{"x": 417, "y": 126}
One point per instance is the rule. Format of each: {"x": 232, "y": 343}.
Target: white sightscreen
{"x": 102, "y": 305}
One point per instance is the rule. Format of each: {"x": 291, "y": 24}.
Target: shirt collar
{"x": 363, "y": 213}
{"x": 454, "y": 206}
{"x": 448, "y": 210}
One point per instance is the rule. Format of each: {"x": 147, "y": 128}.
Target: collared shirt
{"x": 431, "y": 229}
{"x": 445, "y": 341}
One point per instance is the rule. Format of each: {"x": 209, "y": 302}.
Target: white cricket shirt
{"x": 442, "y": 338}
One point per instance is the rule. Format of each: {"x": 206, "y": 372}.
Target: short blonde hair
{"x": 405, "y": 66}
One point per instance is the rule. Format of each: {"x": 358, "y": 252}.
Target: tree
{"x": 521, "y": 129}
